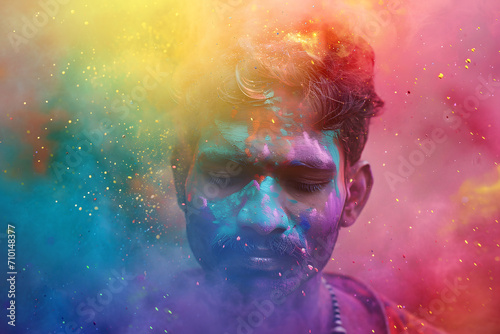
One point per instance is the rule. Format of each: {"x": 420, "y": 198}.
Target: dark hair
{"x": 329, "y": 66}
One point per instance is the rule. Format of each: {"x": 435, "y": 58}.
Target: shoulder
{"x": 404, "y": 322}
{"x": 361, "y": 310}
{"x": 383, "y": 313}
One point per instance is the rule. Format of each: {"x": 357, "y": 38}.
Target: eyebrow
{"x": 215, "y": 155}
{"x": 314, "y": 164}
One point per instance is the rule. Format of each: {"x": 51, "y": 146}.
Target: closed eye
{"x": 223, "y": 179}
{"x": 219, "y": 180}
{"x": 307, "y": 187}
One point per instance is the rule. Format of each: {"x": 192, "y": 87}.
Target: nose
{"x": 262, "y": 210}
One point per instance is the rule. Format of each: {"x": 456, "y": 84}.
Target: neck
{"x": 306, "y": 307}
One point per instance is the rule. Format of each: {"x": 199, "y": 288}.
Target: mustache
{"x": 280, "y": 245}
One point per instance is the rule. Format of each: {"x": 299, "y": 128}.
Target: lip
{"x": 257, "y": 260}
{"x": 264, "y": 260}
{"x": 263, "y": 263}
{"x": 261, "y": 251}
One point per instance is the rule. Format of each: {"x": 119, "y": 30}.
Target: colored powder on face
{"x": 335, "y": 154}
{"x": 265, "y": 151}
{"x": 265, "y": 199}
{"x": 400, "y": 217}
{"x": 234, "y": 133}
{"x": 304, "y": 223}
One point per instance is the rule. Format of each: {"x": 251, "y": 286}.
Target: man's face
{"x": 265, "y": 194}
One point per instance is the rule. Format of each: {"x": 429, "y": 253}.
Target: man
{"x": 267, "y": 170}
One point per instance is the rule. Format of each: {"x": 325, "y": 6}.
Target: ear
{"x": 359, "y": 185}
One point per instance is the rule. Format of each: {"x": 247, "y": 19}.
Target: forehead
{"x": 279, "y": 131}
